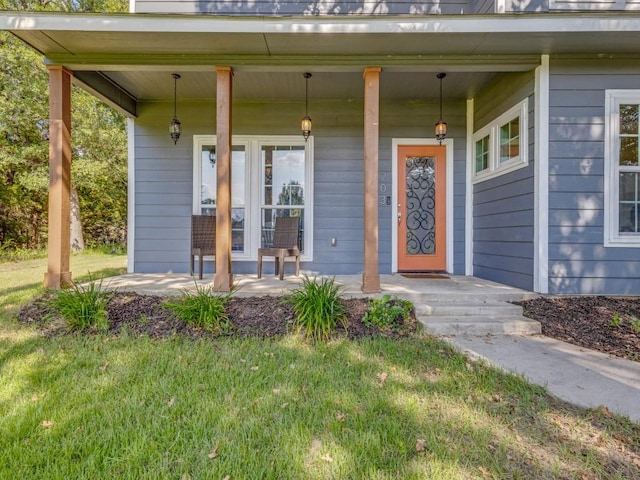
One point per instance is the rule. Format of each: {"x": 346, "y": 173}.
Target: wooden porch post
{"x": 58, "y": 248}
{"x": 370, "y": 276}
{"x": 223, "y": 278}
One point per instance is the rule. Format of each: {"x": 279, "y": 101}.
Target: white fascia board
{"x": 349, "y": 25}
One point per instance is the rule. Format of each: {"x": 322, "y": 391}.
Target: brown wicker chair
{"x": 203, "y": 239}
{"x": 285, "y": 244}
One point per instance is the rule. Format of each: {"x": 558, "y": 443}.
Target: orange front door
{"x": 421, "y": 208}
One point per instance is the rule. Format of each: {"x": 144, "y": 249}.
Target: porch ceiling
{"x": 134, "y": 54}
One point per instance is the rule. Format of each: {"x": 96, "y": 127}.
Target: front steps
{"x": 474, "y": 315}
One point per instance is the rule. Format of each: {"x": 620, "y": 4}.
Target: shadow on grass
{"x": 281, "y": 409}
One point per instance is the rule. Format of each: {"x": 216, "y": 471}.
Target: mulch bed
{"x": 585, "y": 321}
{"x": 590, "y": 322}
{"x": 261, "y": 317}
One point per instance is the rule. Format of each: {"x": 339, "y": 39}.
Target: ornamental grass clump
{"x": 205, "y": 309}
{"x": 387, "y": 312}
{"x": 83, "y": 307}
{"x": 317, "y": 307}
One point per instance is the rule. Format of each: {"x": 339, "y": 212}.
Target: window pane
{"x": 482, "y": 154}
{"x": 237, "y": 229}
{"x": 510, "y": 140}
{"x": 283, "y": 175}
{"x": 628, "y": 150}
{"x": 629, "y": 119}
{"x": 208, "y": 187}
{"x": 238, "y": 158}
{"x": 269, "y": 216}
{"x": 209, "y": 172}
{"x": 629, "y": 204}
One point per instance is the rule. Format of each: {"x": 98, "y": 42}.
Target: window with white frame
{"x": 501, "y": 146}
{"x": 622, "y": 168}
{"x": 271, "y": 177}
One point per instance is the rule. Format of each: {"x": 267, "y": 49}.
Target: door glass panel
{"x": 420, "y": 204}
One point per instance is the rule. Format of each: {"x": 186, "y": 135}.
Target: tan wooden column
{"x": 223, "y": 278}
{"x": 370, "y": 276}
{"x": 58, "y": 248}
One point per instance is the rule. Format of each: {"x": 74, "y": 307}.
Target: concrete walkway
{"x": 578, "y": 375}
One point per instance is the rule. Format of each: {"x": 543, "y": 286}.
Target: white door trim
{"x": 395, "y": 143}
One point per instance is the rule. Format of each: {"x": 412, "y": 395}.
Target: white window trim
{"x": 252, "y": 205}
{"x": 612, "y": 236}
{"x": 496, "y": 168}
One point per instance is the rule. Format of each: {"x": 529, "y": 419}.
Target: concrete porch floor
{"x": 438, "y": 289}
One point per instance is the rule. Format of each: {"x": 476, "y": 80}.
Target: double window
{"x": 271, "y": 177}
{"x": 501, "y": 146}
{"x": 622, "y": 168}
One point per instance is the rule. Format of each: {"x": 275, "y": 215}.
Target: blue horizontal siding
{"x": 578, "y": 261}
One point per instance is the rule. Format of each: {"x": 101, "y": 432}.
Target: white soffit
{"x": 65, "y": 36}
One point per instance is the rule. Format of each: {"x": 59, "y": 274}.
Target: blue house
{"x": 535, "y": 184}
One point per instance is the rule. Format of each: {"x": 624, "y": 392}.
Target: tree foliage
{"x": 98, "y": 141}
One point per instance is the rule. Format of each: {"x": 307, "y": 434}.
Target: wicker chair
{"x": 285, "y": 244}
{"x": 203, "y": 239}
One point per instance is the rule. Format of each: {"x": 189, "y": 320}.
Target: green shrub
{"x": 205, "y": 309}
{"x": 635, "y": 324}
{"x": 83, "y": 307}
{"x": 616, "y": 320}
{"x": 387, "y": 311}
{"x": 317, "y": 307}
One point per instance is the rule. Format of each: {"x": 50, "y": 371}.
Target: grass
{"x": 92, "y": 407}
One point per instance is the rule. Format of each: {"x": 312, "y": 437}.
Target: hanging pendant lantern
{"x": 441, "y": 125}
{"x": 306, "y": 120}
{"x": 175, "y": 127}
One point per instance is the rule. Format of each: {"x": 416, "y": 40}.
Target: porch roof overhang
{"x": 124, "y": 58}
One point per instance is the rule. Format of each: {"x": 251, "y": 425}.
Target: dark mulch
{"x": 250, "y": 316}
{"x": 589, "y": 322}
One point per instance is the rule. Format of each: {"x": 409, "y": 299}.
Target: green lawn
{"x": 135, "y": 408}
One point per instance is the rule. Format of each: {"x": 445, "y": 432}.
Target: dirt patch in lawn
{"x": 607, "y": 324}
{"x": 250, "y": 316}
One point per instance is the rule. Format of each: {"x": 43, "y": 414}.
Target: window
{"x": 622, "y": 168}
{"x": 500, "y": 147}
{"x": 283, "y": 185}
{"x": 271, "y": 177}
{"x": 208, "y": 190}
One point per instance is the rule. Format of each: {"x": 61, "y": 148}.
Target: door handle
{"x": 399, "y": 216}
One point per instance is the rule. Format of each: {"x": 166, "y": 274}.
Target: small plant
{"x": 205, "y": 309}
{"x": 386, "y": 311}
{"x": 317, "y": 307}
{"x": 635, "y": 324}
{"x": 616, "y": 320}
{"x": 83, "y": 307}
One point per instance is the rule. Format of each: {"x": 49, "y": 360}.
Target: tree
{"x": 98, "y": 140}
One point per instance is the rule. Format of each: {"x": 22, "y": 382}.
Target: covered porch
{"x": 372, "y": 64}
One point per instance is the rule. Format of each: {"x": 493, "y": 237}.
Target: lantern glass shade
{"x": 175, "y": 129}
{"x": 306, "y": 126}
{"x": 441, "y": 130}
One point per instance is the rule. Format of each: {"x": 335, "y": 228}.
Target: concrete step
{"x": 454, "y": 297}
{"x": 489, "y": 309}
{"x": 479, "y": 325}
